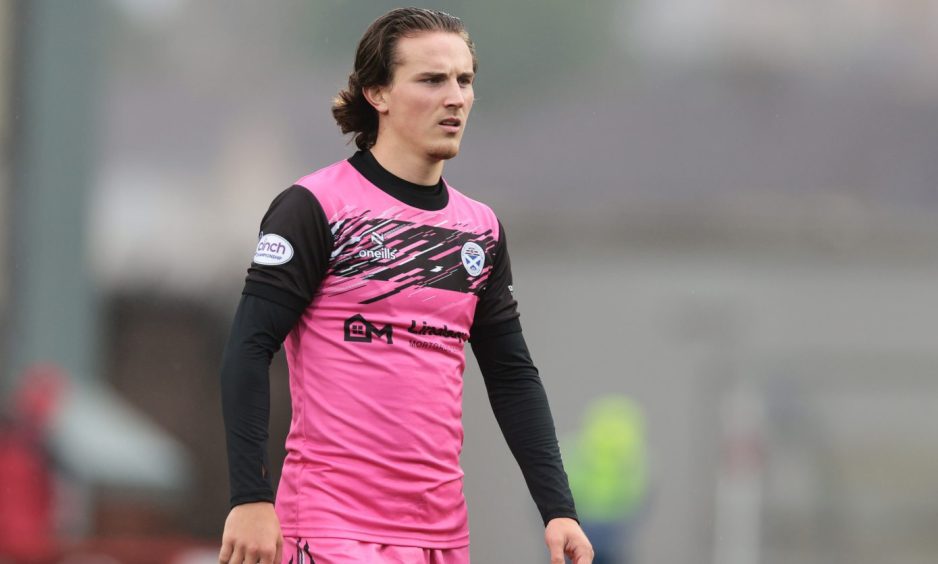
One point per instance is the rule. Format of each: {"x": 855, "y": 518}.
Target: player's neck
{"x": 410, "y": 167}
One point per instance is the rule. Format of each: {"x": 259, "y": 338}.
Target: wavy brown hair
{"x": 375, "y": 61}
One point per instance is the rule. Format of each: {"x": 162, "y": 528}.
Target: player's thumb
{"x": 583, "y": 555}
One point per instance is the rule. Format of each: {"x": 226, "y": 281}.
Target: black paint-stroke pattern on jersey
{"x": 409, "y": 254}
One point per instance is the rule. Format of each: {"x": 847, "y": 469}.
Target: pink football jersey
{"x": 377, "y": 358}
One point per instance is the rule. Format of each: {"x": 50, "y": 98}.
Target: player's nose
{"x": 455, "y": 94}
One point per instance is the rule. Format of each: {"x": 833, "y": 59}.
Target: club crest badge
{"x": 473, "y": 258}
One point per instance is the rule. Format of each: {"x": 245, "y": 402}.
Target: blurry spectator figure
{"x": 607, "y": 466}
{"x": 27, "y": 525}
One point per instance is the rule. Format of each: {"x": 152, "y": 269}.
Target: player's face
{"x": 425, "y": 108}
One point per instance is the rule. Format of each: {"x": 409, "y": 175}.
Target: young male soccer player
{"x": 375, "y": 272}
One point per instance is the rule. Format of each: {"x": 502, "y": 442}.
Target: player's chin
{"x": 444, "y": 151}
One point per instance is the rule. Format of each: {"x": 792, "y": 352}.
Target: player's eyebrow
{"x": 435, "y": 74}
{"x": 431, "y": 74}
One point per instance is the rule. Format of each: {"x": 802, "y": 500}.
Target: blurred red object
{"x": 39, "y": 396}
{"x": 27, "y": 527}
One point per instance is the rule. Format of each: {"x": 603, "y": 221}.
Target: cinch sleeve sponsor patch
{"x": 293, "y": 247}
{"x": 272, "y": 249}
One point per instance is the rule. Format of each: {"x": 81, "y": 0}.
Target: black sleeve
{"x": 497, "y": 303}
{"x": 290, "y": 261}
{"x": 520, "y": 405}
{"x": 293, "y": 250}
{"x": 259, "y": 327}
{"x": 516, "y": 393}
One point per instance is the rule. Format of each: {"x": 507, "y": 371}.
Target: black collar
{"x": 431, "y": 198}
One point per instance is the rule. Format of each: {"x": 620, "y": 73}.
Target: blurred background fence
{"x": 724, "y": 210}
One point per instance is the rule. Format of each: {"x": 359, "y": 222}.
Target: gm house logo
{"x": 360, "y": 330}
{"x": 473, "y": 258}
{"x": 272, "y": 250}
{"x": 380, "y": 251}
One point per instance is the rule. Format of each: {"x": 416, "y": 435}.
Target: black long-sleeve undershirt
{"x": 520, "y": 405}
{"x": 258, "y": 329}
{"x": 514, "y": 388}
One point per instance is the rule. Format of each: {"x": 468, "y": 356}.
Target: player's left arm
{"x": 521, "y": 408}
{"x": 520, "y": 405}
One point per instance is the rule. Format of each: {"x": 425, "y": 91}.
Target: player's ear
{"x": 377, "y": 97}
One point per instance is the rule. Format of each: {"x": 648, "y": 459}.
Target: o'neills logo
{"x": 443, "y": 331}
{"x": 381, "y": 251}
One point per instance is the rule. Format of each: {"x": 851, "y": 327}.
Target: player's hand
{"x": 252, "y": 535}
{"x": 565, "y": 537}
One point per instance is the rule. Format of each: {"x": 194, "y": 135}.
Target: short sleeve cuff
{"x": 276, "y": 295}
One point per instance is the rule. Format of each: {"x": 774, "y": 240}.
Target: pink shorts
{"x": 345, "y": 551}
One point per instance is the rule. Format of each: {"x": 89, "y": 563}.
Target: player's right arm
{"x": 252, "y": 531}
{"x": 290, "y": 262}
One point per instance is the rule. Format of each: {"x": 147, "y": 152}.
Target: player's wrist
{"x": 251, "y": 502}
{"x": 560, "y": 514}
{"x": 262, "y": 510}
{"x": 561, "y": 521}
